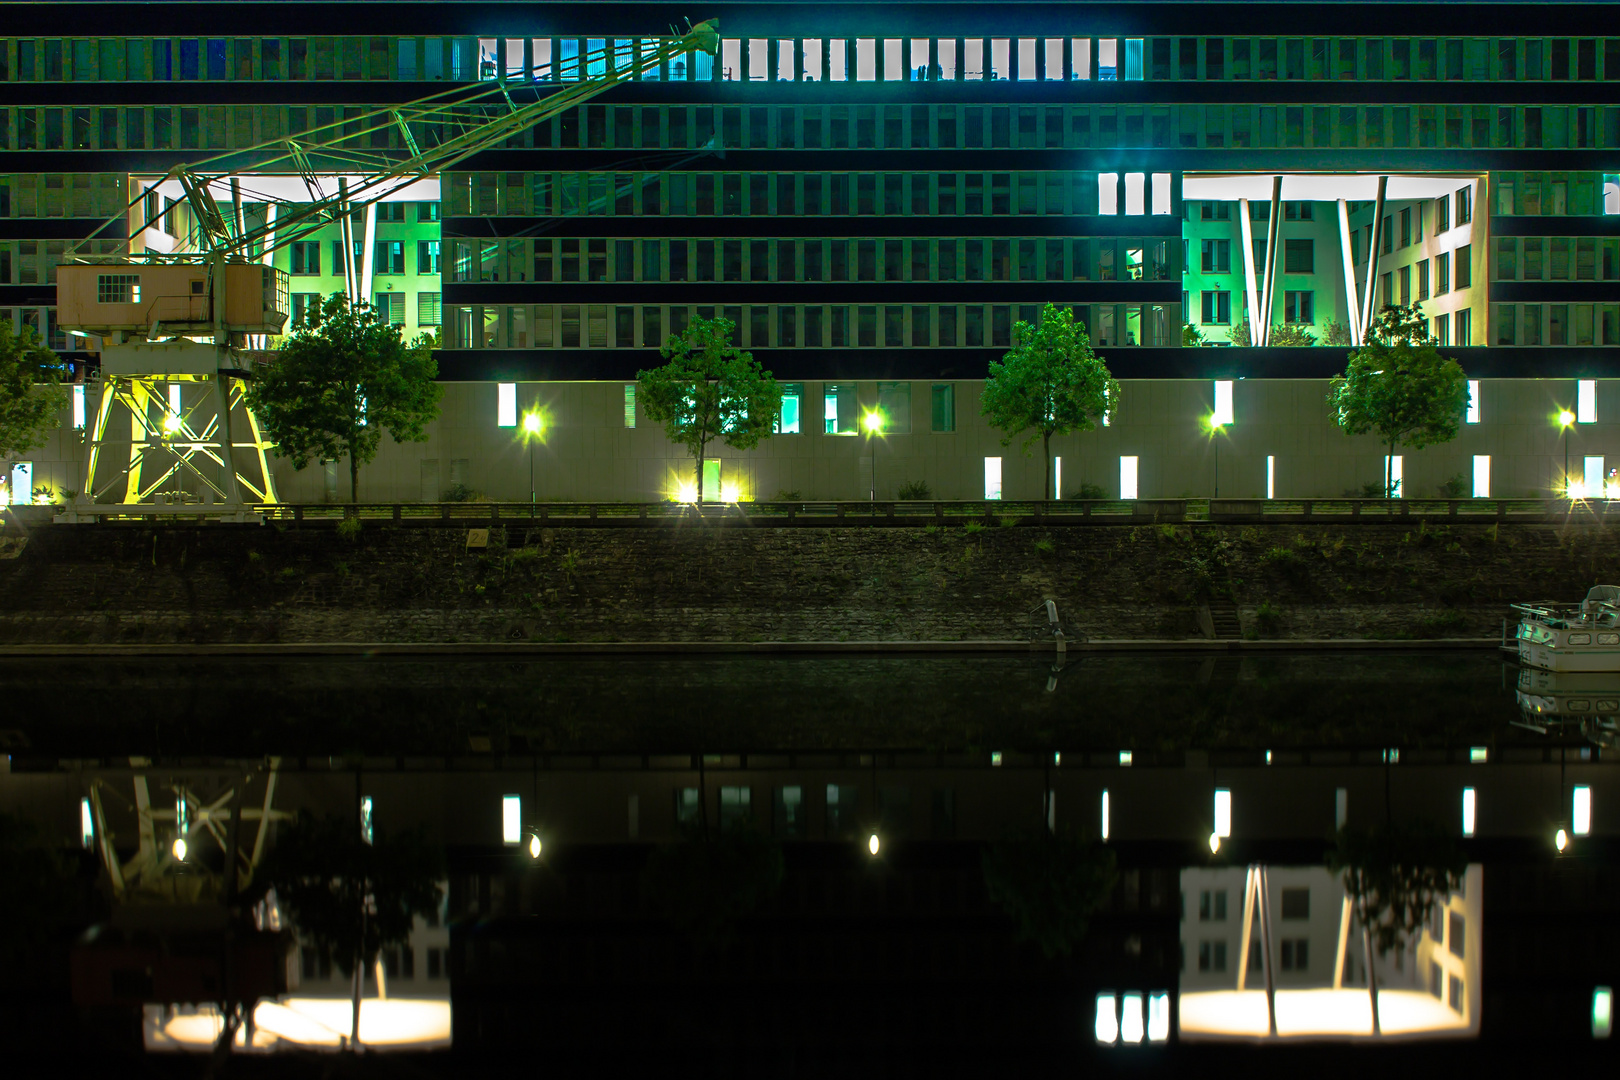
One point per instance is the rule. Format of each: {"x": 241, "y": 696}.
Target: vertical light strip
{"x": 87, "y": 824}
{"x": 1158, "y": 1026}
{"x": 1473, "y": 401}
{"x": 1271, "y": 477}
{"x": 1107, "y": 1025}
{"x": 1130, "y": 1018}
{"x": 1580, "y": 816}
{"x": 511, "y": 819}
{"x": 1468, "y": 811}
{"x": 1105, "y": 814}
{"x": 1223, "y": 813}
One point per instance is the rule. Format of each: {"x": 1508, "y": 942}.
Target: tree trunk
{"x": 1372, "y": 973}
{"x": 354, "y": 478}
{"x": 699, "y": 484}
{"x": 1046, "y": 448}
{"x": 1389, "y": 470}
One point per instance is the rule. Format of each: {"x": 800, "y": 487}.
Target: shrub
{"x": 1191, "y": 336}
{"x": 914, "y": 491}
{"x": 1089, "y": 491}
{"x": 458, "y": 493}
{"x": 972, "y": 527}
{"x": 1045, "y": 546}
{"x": 349, "y": 528}
{"x": 1290, "y": 334}
{"x": 1279, "y": 556}
{"x": 1454, "y": 488}
{"x": 786, "y": 495}
{"x": 1267, "y": 618}
{"x": 1335, "y": 333}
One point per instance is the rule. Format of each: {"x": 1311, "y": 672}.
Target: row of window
{"x": 393, "y": 307}
{"x": 1556, "y": 324}
{"x": 858, "y": 127}
{"x": 388, "y": 257}
{"x": 970, "y": 259}
{"x": 808, "y": 194}
{"x": 1398, "y": 284}
{"x": 1294, "y": 954}
{"x": 399, "y": 962}
{"x": 812, "y": 59}
{"x": 1555, "y": 258}
{"x": 846, "y": 817}
{"x": 889, "y": 326}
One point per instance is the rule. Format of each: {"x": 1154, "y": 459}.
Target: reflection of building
{"x": 1318, "y": 962}
{"x": 877, "y": 207}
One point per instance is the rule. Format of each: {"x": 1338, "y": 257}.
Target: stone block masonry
{"x": 112, "y": 584}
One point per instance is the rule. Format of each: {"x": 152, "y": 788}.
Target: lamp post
{"x": 873, "y": 422}
{"x": 1565, "y": 419}
{"x": 1216, "y": 428}
{"x": 532, "y": 426}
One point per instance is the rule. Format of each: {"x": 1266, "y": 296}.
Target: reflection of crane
{"x": 151, "y": 306}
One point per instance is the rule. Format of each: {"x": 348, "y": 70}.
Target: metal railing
{"x": 867, "y": 513}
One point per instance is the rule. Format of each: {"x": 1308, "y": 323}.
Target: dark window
{"x": 1296, "y": 954}
{"x": 1296, "y": 903}
{"x": 1299, "y": 256}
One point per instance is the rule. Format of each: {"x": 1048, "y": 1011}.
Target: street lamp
{"x": 1565, "y": 419}
{"x": 532, "y": 426}
{"x": 873, "y": 422}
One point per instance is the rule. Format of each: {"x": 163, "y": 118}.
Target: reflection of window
{"x": 1454, "y": 995}
{"x": 736, "y": 807}
{"x": 1455, "y": 934}
{"x": 1295, "y": 954}
{"x": 1212, "y": 905}
{"x": 686, "y": 805}
{"x": 788, "y": 819}
{"x": 843, "y": 801}
{"x": 1212, "y": 956}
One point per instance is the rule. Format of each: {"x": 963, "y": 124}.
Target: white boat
{"x": 1571, "y": 637}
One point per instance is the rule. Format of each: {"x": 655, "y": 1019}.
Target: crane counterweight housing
{"x": 155, "y": 299}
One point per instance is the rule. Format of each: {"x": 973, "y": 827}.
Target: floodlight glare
{"x": 532, "y": 423}
{"x": 686, "y": 492}
{"x": 179, "y": 849}
{"x": 730, "y": 493}
{"x": 873, "y": 422}
{"x": 1565, "y": 418}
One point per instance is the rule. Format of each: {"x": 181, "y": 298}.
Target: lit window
{"x": 629, "y": 405}
{"x": 1158, "y": 1026}
{"x": 506, "y": 404}
{"x": 87, "y": 824}
{"x": 1223, "y": 402}
{"x": 1107, "y": 1026}
{"x": 893, "y": 69}
{"x": 1223, "y": 812}
{"x": 1580, "y": 817}
{"x": 1473, "y": 401}
{"x": 1105, "y": 814}
{"x": 1000, "y": 57}
{"x": 1482, "y": 476}
{"x": 838, "y": 60}
{"x": 1586, "y": 401}
{"x": 788, "y": 422}
{"x": 511, "y": 819}
{"x": 1127, "y": 477}
{"x": 1108, "y": 194}
{"x": 992, "y": 478}
{"x": 1161, "y": 193}
{"x": 78, "y": 407}
{"x": 1136, "y": 193}
{"x": 1602, "y": 1012}
{"x": 1026, "y": 59}
{"x": 865, "y": 59}
{"x": 1130, "y": 1018}
{"x": 21, "y": 491}
{"x": 1468, "y": 805}
{"x": 1392, "y": 469}
{"x": 1592, "y": 473}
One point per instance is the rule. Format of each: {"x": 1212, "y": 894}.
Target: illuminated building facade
{"x": 875, "y": 195}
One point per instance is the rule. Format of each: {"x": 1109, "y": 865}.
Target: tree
{"x": 1191, "y": 336}
{"x": 1290, "y": 334}
{"x": 31, "y": 392}
{"x": 1049, "y": 383}
{"x": 710, "y": 389}
{"x": 342, "y": 378}
{"x": 1399, "y": 385}
{"x": 1394, "y": 876}
{"x": 1049, "y": 884}
{"x": 351, "y": 898}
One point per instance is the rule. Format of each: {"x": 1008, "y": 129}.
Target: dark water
{"x": 394, "y": 706}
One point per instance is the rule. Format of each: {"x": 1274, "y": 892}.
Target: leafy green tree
{"x": 351, "y": 898}
{"x": 1191, "y": 336}
{"x": 1290, "y": 334}
{"x": 1394, "y": 875}
{"x": 1398, "y": 385}
{"x": 1049, "y": 383}
{"x": 342, "y": 378}
{"x": 710, "y": 389}
{"x": 1049, "y": 884}
{"x": 31, "y": 392}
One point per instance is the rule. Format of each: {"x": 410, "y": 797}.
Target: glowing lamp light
{"x": 532, "y": 423}
{"x": 1214, "y": 843}
{"x": 1565, "y": 418}
{"x": 1575, "y": 490}
{"x": 730, "y": 493}
{"x": 872, "y": 843}
{"x": 1105, "y": 814}
{"x": 534, "y": 845}
{"x": 1107, "y": 1025}
{"x": 873, "y": 422}
{"x": 179, "y": 849}
{"x": 686, "y": 492}
{"x": 1602, "y": 1012}
{"x": 1223, "y": 812}
{"x": 171, "y": 423}
{"x": 1125, "y": 758}
{"x": 1130, "y": 1018}
{"x": 1580, "y": 818}
{"x": 1561, "y": 840}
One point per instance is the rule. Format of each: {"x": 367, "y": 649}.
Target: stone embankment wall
{"x": 233, "y": 584}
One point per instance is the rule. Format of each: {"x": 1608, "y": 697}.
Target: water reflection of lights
{"x": 309, "y": 1023}
{"x": 1317, "y": 1012}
